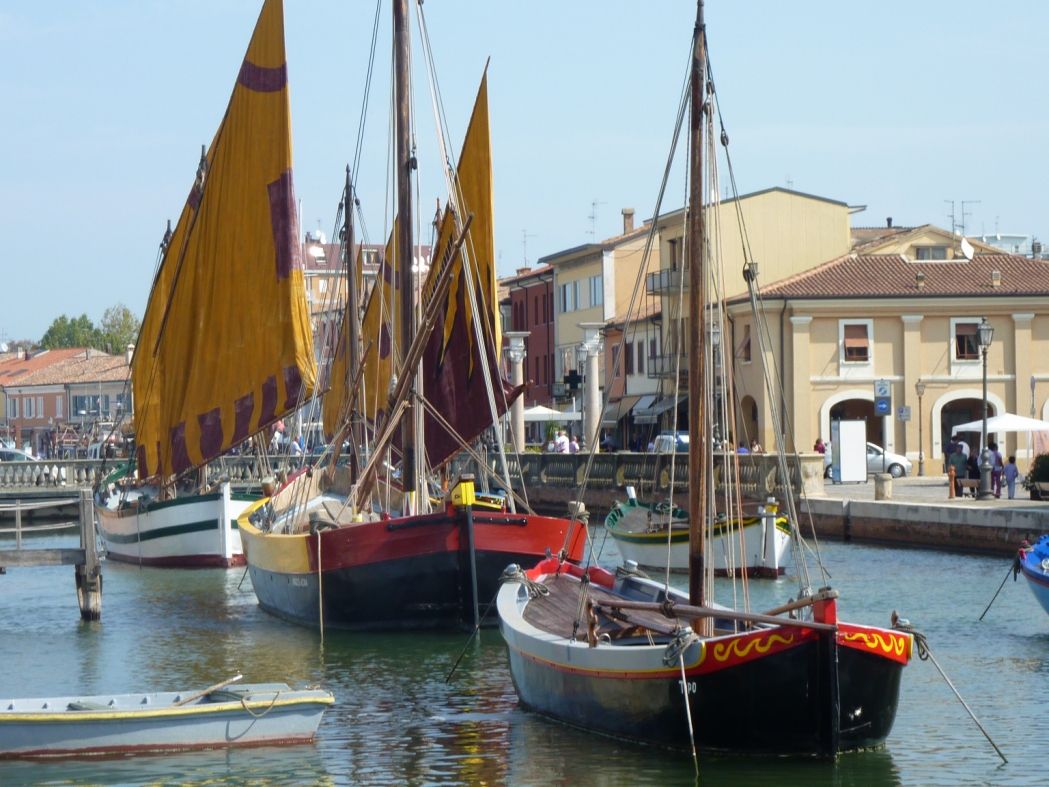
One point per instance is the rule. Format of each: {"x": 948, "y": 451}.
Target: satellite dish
{"x": 967, "y": 249}
{"x": 3, "y": 347}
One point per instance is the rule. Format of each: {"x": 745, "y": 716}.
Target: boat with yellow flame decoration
{"x": 626, "y": 656}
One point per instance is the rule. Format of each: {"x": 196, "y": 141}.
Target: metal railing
{"x": 667, "y": 365}
{"x": 664, "y": 282}
{"x": 759, "y": 474}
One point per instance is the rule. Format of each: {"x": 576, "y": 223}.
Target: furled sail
{"x": 226, "y": 345}
{"x": 453, "y": 378}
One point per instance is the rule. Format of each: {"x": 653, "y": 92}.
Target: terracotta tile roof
{"x": 98, "y": 368}
{"x": 14, "y": 370}
{"x": 511, "y": 281}
{"x": 652, "y": 312}
{"x": 893, "y": 276}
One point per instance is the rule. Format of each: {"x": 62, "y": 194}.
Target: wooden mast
{"x": 405, "y": 255}
{"x": 699, "y": 445}
{"x": 351, "y": 320}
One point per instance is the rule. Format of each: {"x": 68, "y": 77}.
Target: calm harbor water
{"x": 396, "y": 721}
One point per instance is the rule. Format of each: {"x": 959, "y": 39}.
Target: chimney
{"x": 129, "y": 353}
{"x": 919, "y": 279}
{"x": 628, "y": 220}
{"x": 523, "y": 270}
{"x": 996, "y": 279}
{"x": 888, "y": 223}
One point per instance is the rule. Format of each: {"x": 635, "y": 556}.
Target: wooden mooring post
{"x": 85, "y": 559}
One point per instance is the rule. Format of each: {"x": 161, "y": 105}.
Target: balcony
{"x": 663, "y": 366}
{"x": 664, "y": 282}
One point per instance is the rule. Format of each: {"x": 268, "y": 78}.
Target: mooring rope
{"x": 922, "y": 645}
{"x": 244, "y": 703}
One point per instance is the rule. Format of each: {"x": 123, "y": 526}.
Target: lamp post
{"x": 986, "y": 335}
{"x": 919, "y": 388}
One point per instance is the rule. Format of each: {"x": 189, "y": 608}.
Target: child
{"x": 1011, "y": 472}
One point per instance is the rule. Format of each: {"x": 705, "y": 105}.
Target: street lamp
{"x": 919, "y": 388}
{"x": 986, "y": 335}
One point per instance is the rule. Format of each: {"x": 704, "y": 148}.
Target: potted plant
{"x": 1037, "y": 479}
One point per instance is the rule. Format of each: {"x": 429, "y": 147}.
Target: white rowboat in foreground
{"x": 250, "y": 715}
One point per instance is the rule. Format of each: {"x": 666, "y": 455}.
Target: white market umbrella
{"x": 1004, "y": 423}
{"x": 544, "y": 414}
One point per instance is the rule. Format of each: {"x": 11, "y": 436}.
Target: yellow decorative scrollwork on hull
{"x": 722, "y": 650}
{"x": 874, "y": 640}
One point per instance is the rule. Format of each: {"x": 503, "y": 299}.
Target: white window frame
{"x": 597, "y": 290}
{"x": 966, "y": 367}
{"x": 747, "y": 342}
{"x": 856, "y": 367}
{"x": 27, "y": 407}
{"x": 40, "y": 407}
{"x": 12, "y": 407}
{"x": 322, "y": 285}
{"x": 58, "y": 406}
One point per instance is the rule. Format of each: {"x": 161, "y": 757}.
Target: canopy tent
{"x": 543, "y": 414}
{"x": 1006, "y": 422}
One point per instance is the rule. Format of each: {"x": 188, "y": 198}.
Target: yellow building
{"x": 593, "y": 283}
{"x": 904, "y": 308}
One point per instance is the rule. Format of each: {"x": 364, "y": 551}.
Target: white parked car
{"x": 895, "y": 465}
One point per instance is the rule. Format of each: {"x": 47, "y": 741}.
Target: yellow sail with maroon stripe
{"x": 226, "y": 345}
{"x": 453, "y": 379}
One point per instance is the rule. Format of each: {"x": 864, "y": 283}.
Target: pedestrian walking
{"x": 1011, "y": 472}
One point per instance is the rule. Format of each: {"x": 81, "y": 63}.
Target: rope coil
{"x": 681, "y": 642}
{"x": 514, "y": 573}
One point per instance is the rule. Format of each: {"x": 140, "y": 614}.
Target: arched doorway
{"x": 746, "y": 421}
{"x": 945, "y": 406}
{"x": 962, "y": 411}
{"x": 857, "y": 409}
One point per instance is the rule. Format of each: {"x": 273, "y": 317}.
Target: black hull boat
{"x": 816, "y": 687}
{"x": 395, "y": 572}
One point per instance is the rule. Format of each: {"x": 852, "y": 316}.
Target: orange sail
{"x": 226, "y": 346}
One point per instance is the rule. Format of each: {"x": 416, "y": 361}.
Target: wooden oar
{"x": 206, "y": 691}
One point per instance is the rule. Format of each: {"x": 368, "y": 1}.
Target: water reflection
{"x": 293, "y": 765}
{"x": 397, "y": 722}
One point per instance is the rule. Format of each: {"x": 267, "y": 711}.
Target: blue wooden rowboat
{"x": 1034, "y": 565}
{"x": 261, "y": 714}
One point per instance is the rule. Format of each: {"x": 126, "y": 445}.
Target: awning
{"x": 856, "y": 337}
{"x": 651, "y": 414}
{"x": 544, "y": 414}
{"x": 645, "y": 402}
{"x": 616, "y": 410}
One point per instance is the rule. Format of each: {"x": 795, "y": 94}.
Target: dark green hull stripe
{"x": 163, "y": 532}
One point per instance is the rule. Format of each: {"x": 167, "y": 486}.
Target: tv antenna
{"x": 593, "y": 218}
{"x": 967, "y": 213}
{"x": 525, "y": 235}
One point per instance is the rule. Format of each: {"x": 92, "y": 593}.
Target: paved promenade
{"x": 932, "y": 490}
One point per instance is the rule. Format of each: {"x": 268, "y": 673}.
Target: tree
{"x": 64, "y": 332}
{"x": 119, "y": 328}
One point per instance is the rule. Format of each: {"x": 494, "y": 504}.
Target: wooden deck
{"x": 556, "y": 614}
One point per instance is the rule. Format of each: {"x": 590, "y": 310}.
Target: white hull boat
{"x": 754, "y": 545}
{"x": 196, "y": 531}
{"x": 250, "y": 715}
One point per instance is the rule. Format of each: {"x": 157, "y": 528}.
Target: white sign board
{"x": 849, "y": 452}
{"x": 903, "y": 413}
{"x": 882, "y": 389}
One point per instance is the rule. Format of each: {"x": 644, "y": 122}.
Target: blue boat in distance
{"x": 1034, "y": 565}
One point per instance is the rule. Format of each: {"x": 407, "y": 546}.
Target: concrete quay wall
{"x": 924, "y": 525}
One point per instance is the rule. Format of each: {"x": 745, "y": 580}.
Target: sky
{"x": 898, "y": 106}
